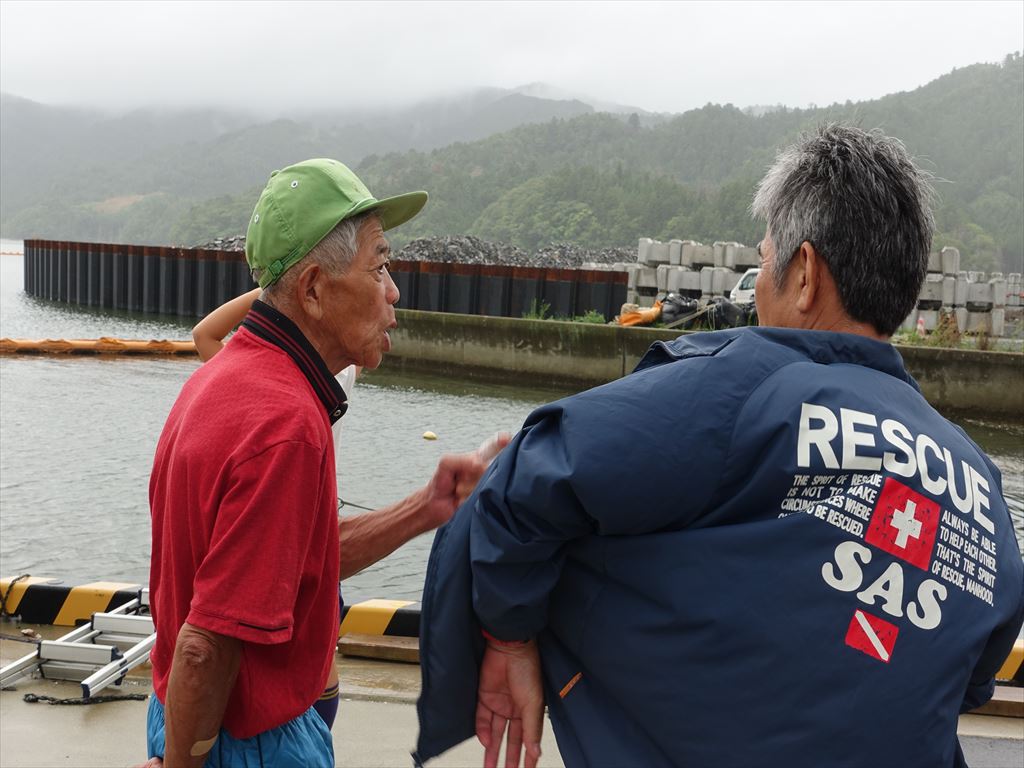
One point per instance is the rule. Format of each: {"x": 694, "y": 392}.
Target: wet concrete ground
{"x": 376, "y": 725}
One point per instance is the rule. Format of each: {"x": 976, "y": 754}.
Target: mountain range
{"x": 528, "y": 166}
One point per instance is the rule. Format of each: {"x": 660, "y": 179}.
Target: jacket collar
{"x": 824, "y": 347}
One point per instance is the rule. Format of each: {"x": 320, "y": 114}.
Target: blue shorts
{"x": 304, "y": 741}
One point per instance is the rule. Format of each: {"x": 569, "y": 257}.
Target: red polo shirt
{"x": 245, "y": 519}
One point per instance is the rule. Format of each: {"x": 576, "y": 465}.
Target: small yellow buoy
{"x": 428, "y": 435}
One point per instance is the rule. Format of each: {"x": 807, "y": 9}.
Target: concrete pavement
{"x": 376, "y": 725}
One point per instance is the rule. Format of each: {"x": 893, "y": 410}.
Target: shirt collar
{"x": 272, "y": 326}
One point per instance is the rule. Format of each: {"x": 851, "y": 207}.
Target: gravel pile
{"x": 463, "y": 250}
{"x": 236, "y": 243}
{"x": 570, "y": 256}
{"x": 472, "y": 250}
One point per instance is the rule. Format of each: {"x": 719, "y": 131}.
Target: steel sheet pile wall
{"x": 189, "y": 282}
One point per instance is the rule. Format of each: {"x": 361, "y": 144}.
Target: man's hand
{"x": 153, "y": 762}
{"x": 455, "y": 478}
{"x": 510, "y": 694}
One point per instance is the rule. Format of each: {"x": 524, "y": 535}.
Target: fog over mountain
{"x": 275, "y": 59}
{"x": 158, "y": 122}
{"x": 504, "y": 164}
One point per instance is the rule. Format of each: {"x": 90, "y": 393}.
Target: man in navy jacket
{"x": 761, "y": 548}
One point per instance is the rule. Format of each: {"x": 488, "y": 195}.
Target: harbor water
{"x": 77, "y": 436}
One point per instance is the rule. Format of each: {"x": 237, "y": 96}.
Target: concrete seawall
{"x": 554, "y": 353}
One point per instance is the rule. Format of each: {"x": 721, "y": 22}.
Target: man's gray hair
{"x": 858, "y": 198}
{"x": 334, "y": 254}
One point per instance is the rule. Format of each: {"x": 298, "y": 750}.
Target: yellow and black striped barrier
{"x": 393, "y": 618}
{"x": 39, "y": 600}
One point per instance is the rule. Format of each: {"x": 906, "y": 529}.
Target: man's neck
{"x": 309, "y": 328}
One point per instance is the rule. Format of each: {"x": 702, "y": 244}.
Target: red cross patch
{"x": 871, "y": 635}
{"x": 904, "y": 524}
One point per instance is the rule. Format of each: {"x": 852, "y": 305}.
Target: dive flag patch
{"x": 904, "y": 524}
{"x": 871, "y": 635}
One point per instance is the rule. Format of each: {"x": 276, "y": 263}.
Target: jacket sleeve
{"x": 982, "y": 682}
{"x": 629, "y": 458}
{"x": 522, "y": 516}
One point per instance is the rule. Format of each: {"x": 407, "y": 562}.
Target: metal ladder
{"x": 95, "y": 654}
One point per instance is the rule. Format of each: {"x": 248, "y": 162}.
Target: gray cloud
{"x": 274, "y": 57}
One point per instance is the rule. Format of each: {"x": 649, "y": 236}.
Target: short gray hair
{"x": 860, "y": 200}
{"x": 333, "y": 253}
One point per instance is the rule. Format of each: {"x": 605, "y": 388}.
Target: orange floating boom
{"x": 101, "y": 346}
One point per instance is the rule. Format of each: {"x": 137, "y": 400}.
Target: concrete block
{"x": 746, "y": 257}
{"x": 658, "y": 253}
{"x": 718, "y": 280}
{"x": 731, "y": 249}
{"x": 730, "y": 278}
{"x": 643, "y": 250}
{"x": 979, "y": 296}
{"x": 718, "y": 253}
{"x": 706, "y": 280}
{"x": 977, "y": 277}
{"x": 1013, "y": 289}
{"x": 645, "y": 302}
{"x": 910, "y": 321}
{"x": 934, "y": 263}
{"x": 930, "y": 296}
{"x": 930, "y": 317}
{"x": 960, "y": 313}
{"x": 950, "y": 258}
{"x": 960, "y": 290}
{"x": 675, "y": 252}
{"x": 948, "y": 291}
{"x": 684, "y": 281}
{"x": 998, "y": 290}
{"x": 687, "y": 253}
{"x": 997, "y": 324}
{"x": 632, "y": 271}
{"x": 662, "y": 271}
{"x": 647, "y": 277}
{"x": 703, "y": 256}
{"x": 979, "y": 322}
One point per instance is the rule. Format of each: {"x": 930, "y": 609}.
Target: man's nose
{"x": 391, "y": 293}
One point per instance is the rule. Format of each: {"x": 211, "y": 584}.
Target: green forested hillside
{"x": 603, "y": 182}
{"x": 597, "y": 179}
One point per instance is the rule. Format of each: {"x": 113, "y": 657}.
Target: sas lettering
{"x": 886, "y": 591}
{"x": 860, "y": 436}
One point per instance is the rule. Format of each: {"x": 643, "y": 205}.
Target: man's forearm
{"x": 202, "y": 677}
{"x": 371, "y": 536}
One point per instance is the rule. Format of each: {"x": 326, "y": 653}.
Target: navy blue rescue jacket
{"x": 762, "y": 548}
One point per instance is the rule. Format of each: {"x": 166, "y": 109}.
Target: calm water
{"x": 77, "y": 439}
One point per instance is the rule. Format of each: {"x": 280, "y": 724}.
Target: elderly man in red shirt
{"x": 246, "y": 557}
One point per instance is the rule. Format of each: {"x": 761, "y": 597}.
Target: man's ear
{"x": 309, "y": 291}
{"x": 809, "y": 266}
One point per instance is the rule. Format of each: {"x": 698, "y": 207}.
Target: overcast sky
{"x": 271, "y": 57}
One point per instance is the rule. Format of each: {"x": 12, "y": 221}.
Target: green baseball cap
{"x": 304, "y": 202}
